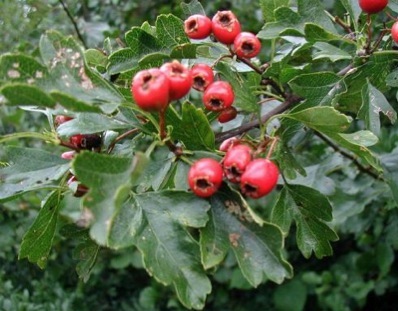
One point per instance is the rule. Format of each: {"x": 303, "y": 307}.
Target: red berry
{"x": 86, "y": 141}
{"x": 394, "y": 32}
{"x": 235, "y": 162}
{"x": 225, "y": 27}
{"x": 227, "y": 114}
{"x": 373, "y": 6}
{"x": 202, "y": 76}
{"x": 61, "y": 119}
{"x": 259, "y": 178}
{"x": 205, "y": 177}
{"x": 180, "y": 79}
{"x": 229, "y": 143}
{"x": 218, "y": 96}
{"x": 247, "y": 45}
{"x": 150, "y": 89}
{"x": 197, "y": 26}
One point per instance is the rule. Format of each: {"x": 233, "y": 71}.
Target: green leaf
{"x": 354, "y": 11}
{"x": 390, "y": 165}
{"x": 326, "y": 120}
{"x": 316, "y": 33}
{"x": 256, "y": 247}
{"x": 374, "y": 103}
{"x": 69, "y": 74}
{"x": 361, "y": 138}
{"x": 321, "y": 88}
{"x": 352, "y": 143}
{"x": 157, "y": 171}
{"x": 85, "y": 252}
{"x": 95, "y": 57}
{"x": 191, "y": 8}
{"x": 192, "y": 129}
{"x": 269, "y": 6}
{"x": 288, "y": 22}
{"x": 310, "y": 210}
{"x": 329, "y": 51}
{"x": 330, "y": 122}
{"x": 37, "y": 241}
{"x": 29, "y": 169}
{"x": 295, "y": 289}
{"x": 109, "y": 180}
{"x": 375, "y": 70}
{"x": 158, "y": 224}
{"x": 88, "y": 123}
{"x": 18, "y": 68}
{"x": 26, "y": 95}
{"x": 392, "y": 79}
{"x": 170, "y": 31}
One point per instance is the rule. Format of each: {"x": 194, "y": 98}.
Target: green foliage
{"x": 320, "y": 100}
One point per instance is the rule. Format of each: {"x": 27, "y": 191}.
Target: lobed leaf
{"x": 310, "y": 211}
{"x": 37, "y": 241}
{"x": 29, "y": 170}
{"x": 256, "y": 247}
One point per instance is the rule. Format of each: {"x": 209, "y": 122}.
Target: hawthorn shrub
{"x": 314, "y": 95}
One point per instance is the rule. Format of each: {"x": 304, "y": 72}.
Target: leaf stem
{"x": 288, "y": 103}
{"x": 70, "y": 16}
{"x": 121, "y": 137}
{"x": 367, "y": 170}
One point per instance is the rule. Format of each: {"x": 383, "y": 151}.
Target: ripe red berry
{"x": 61, "y": 119}
{"x": 205, "y": 177}
{"x": 227, "y": 114}
{"x": 197, "y": 26}
{"x": 235, "y": 162}
{"x": 86, "y": 141}
{"x": 394, "y": 32}
{"x": 225, "y": 27}
{"x": 218, "y": 96}
{"x": 202, "y": 76}
{"x": 229, "y": 143}
{"x": 372, "y": 6}
{"x": 247, "y": 45}
{"x": 259, "y": 178}
{"x": 150, "y": 89}
{"x": 180, "y": 79}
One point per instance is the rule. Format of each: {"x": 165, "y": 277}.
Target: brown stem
{"x": 367, "y": 170}
{"x": 70, "y": 16}
{"x": 379, "y": 39}
{"x": 121, "y": 137}
{"x": 251, "y": 65}
{"x": 289, "y": 102}
{"x": 341, "y": 23}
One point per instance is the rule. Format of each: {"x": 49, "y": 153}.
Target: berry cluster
{"x": 153, "y": 89}
{"x": 77, "y": 142}
{"x": 226, "y": 29}
{"x": 256, "y": 176}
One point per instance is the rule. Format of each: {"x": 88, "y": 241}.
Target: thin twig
{"x": 70, "y": 16}
{"x": 288, "y": 103}
{"x": 341, "y": 23}
{"x": 378, "y": 40}
{"x": 362, "y": 168}
{"x": 121, "y": 137}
